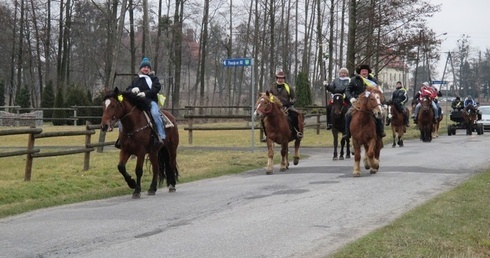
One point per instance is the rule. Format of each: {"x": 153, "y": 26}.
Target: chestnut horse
{"x": 337, "y": 115}
{"x": 426, "y": 119}
{"x": 398, "y": 127}
{"x": 277, "y": 129}
{"x": 470, "y": 116}
{"x": 137, "y": 138}
{"x": 368, "y": 108}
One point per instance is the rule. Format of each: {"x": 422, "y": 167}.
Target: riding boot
{"x": 117, "y": 145}
{"x": 405, "y": 116}
{"x": 329, "y": 120}
{"x": 380, "y": 129}
{"x": 263, "y": 130}
{"x": 298, "y": 134}
{"x": 348, "y": 118}
{"x": 388, "y": 121}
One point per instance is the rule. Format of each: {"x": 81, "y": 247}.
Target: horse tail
{"x": 168, "y": 168}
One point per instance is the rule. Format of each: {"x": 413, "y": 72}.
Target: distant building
{"x": 395, "y": 70}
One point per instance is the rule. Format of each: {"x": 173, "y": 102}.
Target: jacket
{"x": 357, "y": 86}
{"x": 400, "y": 96}
{"x": 338, "y": 85}
{"x": 285, "y": 93}
{"x": 142, "y": 82}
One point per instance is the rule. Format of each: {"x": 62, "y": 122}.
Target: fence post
{"x": 88, "y": 137}
{"x": 190, "y": 130}
{"x": 29, "y": 158}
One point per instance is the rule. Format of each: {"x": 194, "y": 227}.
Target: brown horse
{"x": 278, "y": 129}
{"x": 398, "y": 127}
{"x": 470, "y": 116}
{"x": 363, "y": 129}
{"x": 426, "y": 119}
{"x": 137, "y": 138}
{"x": 337, "y": 115}
{"x": 435, "y": 129}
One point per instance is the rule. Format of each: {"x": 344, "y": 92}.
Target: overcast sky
{"x": 458, "y": 17}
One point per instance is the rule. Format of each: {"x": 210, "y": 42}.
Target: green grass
{"x": 454, "y": 224}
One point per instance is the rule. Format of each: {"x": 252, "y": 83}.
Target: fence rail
{"x": 33, "y": 152}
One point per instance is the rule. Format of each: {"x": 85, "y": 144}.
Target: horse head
{"x": 338, "y": 103}
{"x": 119, "y": 104}
{"x": 373, "y": 100}
{"x": 266, "y": 103}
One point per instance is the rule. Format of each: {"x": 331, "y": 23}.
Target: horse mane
{"x": 272, "y": 98}
{"x": 141, "y": 103}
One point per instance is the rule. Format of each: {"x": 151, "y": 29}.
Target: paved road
{"x": 309, "y": 211}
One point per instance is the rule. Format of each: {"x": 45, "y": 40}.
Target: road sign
{"x": 238, "y": 62}
{"x": 438, "y": 82}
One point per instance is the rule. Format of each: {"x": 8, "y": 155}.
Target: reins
{"x": 129, "y": 134}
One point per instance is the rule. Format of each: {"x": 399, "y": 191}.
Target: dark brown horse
{"x": 470, "y": 116}
{"x": 426, "y": 119}
{"x": 337, "y": 116}
{"x": 363, "y": 129}
{"x": 398, "y": 127}
{"x": 137, "y": 138}
{"x": 278, "y": 129}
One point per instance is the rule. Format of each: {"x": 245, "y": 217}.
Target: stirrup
{"x": 299, "y": 135}
{"x": 166, "y": 122}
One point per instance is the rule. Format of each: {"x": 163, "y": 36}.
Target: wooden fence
{"x": 36, "y": 133}
{"x": 197, "y": 115}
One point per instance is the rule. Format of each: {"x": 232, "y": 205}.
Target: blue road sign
{"x": 238, "y": 62}
{"x": 438, "y": 82}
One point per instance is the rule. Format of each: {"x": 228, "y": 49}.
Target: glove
{"x": 135, "y": 90}
{"x": 141, "y": 94}
{"x": 325, "y": 83}
{"x": 353, "y": 101}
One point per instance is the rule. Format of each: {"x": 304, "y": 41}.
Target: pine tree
{"x": 303, "y": 91}
{"x": 59, "y": 103}
{"x": 47, "y": 99}
{"x": 23, "y": 98}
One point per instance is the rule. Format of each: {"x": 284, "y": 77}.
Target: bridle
{"x": 129, "y": 134}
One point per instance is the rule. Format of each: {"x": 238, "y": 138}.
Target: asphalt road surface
{"x": 309, "y": 211}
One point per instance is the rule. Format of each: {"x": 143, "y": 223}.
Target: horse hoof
{"x": 356, "y": 174}
{"x": 283, "y": 169}
{"x": 341, "y": 158}
{"x": 132, "y": 184}
{"x": 296, "y": 161}
{"x": 268, "y": 172}
{"x": 347, "y": 157}
{"x": 367, "y": 167}
{"x": 393, "y": 146}
{"x": 136, "y": 195}
{"x": 151, "y": 193}
{"x": 335, "y": 158}
{"x": 172, "y": 189}
{"x": 373, "y": 171}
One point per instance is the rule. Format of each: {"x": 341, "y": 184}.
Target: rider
{"x": 338, "y": 85}
{"x": 427, "y": 91}
{"x": 147, "y": 85}
{"x": 358, "y": 85}
{"x": 286, "y": 94}
{"x": 457, "y": 104}
{"x": 469, "y": 100}
{"x": 399, "y": 98}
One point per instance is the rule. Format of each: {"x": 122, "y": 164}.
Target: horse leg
{"x": 123, "y": 159}
{"x": 171, "y": 170}
{"x": 335, "y": 143}
{"x": 357, "y": 159}
{"x": 394, "y": 136}
{"x": 366, "y": 160}
{"x": 270, "y": 157}
{"x": 296, "y": 153}
{"x": 284, "y": 157}
{"x": 155, "y": 169}
{"x": 140, "y": 159}
{"x": 342, "y": 145}
{"x": 372, "y": 154}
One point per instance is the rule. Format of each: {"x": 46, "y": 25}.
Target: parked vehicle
{"x": 485, "y": 117}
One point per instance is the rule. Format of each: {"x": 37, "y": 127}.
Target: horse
{"x": 435, "y": 129}
{"x": 363, "y": 129}
{"x": 426, "y": 119}
{"x": 137, "y": 137}
{"x": 398, "y": 127}
{"x": 278, "y": 129}
{"x": 337, "y": 115}
{"x": 470, "y": 115}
